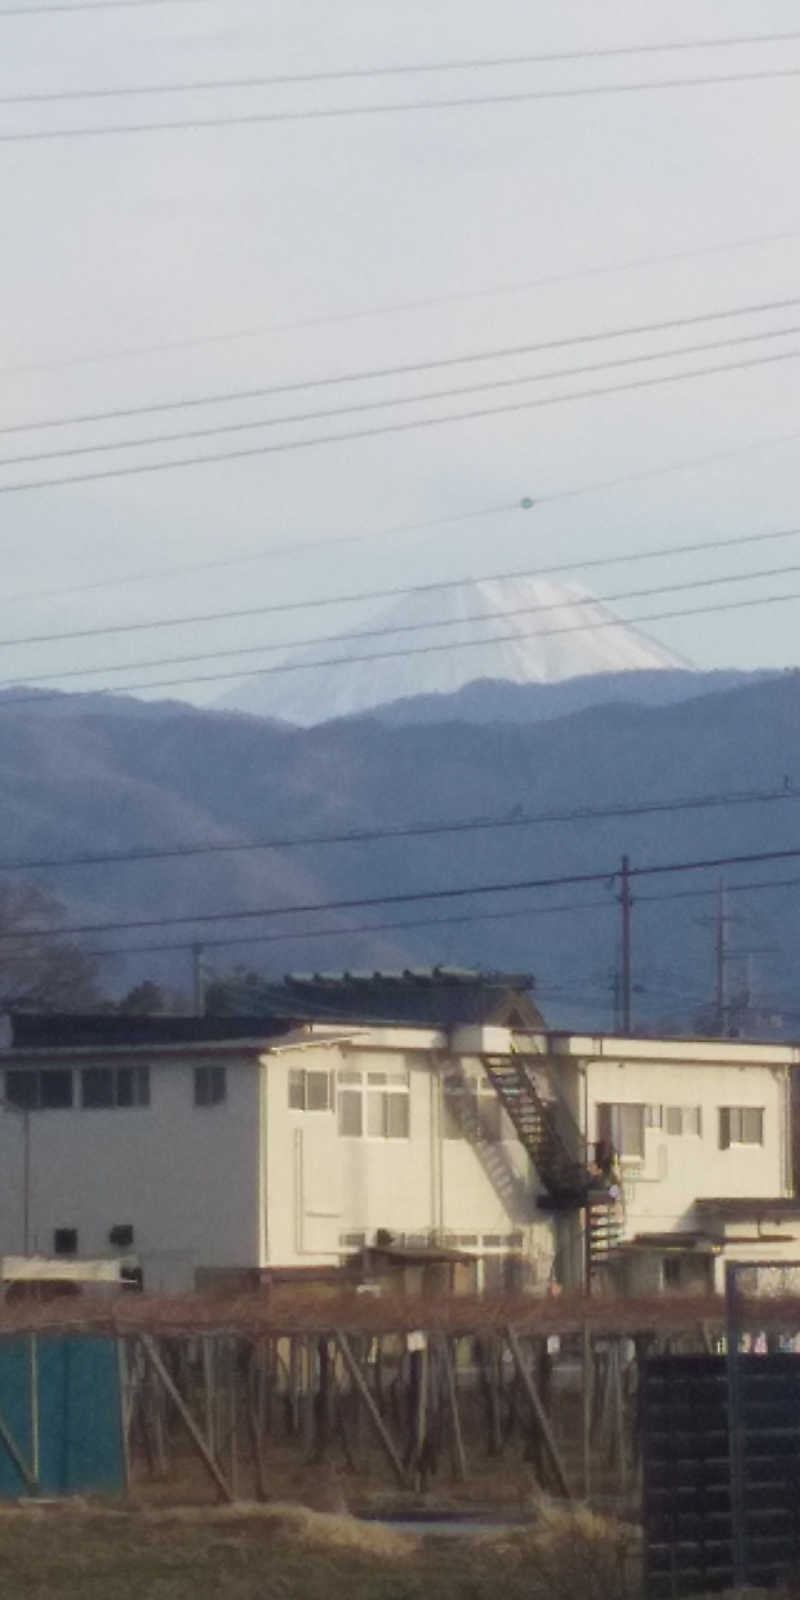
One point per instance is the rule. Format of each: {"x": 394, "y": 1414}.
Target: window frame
{"x": 60, "y": 1246}
{"x": 215, "y": 1077}
{"x": 36, "y": 1076}
{"x": 118, "y": 1075}
{"x": 609, "y": 1128}
{"x": 367, "y": 1089}
{"x": 731, "y": 1127}
{"x": 299, "y": 1077}
{"x": 686, "y": 1116}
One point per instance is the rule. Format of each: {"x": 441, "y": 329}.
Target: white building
{"x": 187, "y": 1144}
{"x": 702, "y": 1134}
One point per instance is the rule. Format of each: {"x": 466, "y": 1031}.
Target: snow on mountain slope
{"x": 521, "y": 630}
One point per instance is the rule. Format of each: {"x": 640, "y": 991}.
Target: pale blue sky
{"x": 125, "y": 243}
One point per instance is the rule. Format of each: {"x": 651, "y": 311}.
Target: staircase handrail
{"x": 564, "y": 1121}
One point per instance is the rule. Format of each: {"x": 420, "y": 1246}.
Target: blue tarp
{"x": 72, "y": 1385}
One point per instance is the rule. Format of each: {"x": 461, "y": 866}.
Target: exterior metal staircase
{"x": 553, "y": 1141}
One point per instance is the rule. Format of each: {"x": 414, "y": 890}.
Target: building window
{"x": 309, "y": 1090}
{"x": 471, "y": 1108}
{"x": 210, "y": 1086}
{"x": 45, "y": 1090}
{"x": 114, "y": 1087}
{"x": 374, "y": 1105}
{"x": 740, "y": 1125}
{"x": 65, "y": 1242}
{"x": 683, "y": 1120}
{"x": 621, "y": 1128}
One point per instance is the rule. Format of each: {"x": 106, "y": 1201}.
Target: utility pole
{"x": 626, "y": 902}
{"x": 615, "y": 992}
{"x": 721, "y": 963}
{"x": 198, "y": 980}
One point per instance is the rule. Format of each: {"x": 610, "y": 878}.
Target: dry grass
{"x": 302, "y": 1527}
{"x": 287, "y": 1552}
{"x": 574, "y": 1554}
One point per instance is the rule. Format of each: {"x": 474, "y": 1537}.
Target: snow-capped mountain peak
{"x": 521, "y": 630}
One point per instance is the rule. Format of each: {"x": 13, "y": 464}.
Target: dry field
{"x": 288, "y": 1552}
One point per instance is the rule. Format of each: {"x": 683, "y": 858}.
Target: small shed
{"x": 427, "y": 1271}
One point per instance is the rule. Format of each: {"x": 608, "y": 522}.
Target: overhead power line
{"x": 461, "y": 102}
{"x": 325, "y": 319}
{"x": 393, "y": 630}
{"x": 84, "y": 5}
{"x": 358, "y": 596}
{"x": 340, "y": 932}
{"x": 420, "y": 830}
{"x": 304, "y": 544}
{"x": 462, "y": 891}
{"x": 403, "y": 69}
{"x": 405, "y": 369}
{"x": 8, "y": 702}
{"x": 391, "y": 402}
{"x": 730, "y": 888}
{"x": 273, "y": 552}
{"x": 479, "y": 413}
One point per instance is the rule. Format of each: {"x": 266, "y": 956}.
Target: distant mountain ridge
{"x": 488, "y": 700}
{"x": 87, "y": 774}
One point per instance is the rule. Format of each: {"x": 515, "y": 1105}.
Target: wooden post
{"x": 372, "y": 1411}
{"x": 255, "y": 1416}
{"x": 588, "y": 1377}
{"x": 294, "y": 1385}
{"x": 356, "y": 1410}
{"x": 323, "y": 1406}
{"x": 269, "y": 1358}
{"x": 307, "y": 1403}
{"x": 419, "y": 1389}
{"x": 154, "y": 1423}
{"x": 33, "y": 1392}
{"x": 233, "y": 1413}
{"x": 540, "y": 1420}
{"x": 487, "y": 1352}
{"x": 151, "y": 1349}
{"x": 209, "y": 1351}
{"x": 602, "y": 1410}
{"x": 124, "y": 1413}
{"x": 459, "y": 1456}
{"x": 619, "y": 1418}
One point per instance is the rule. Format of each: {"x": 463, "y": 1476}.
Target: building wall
{"x": 326, "y": 1191}
{"x": 678, "y": 1168}
{"x": 252, "y": 1182}
{"x": 185, "y": 1177}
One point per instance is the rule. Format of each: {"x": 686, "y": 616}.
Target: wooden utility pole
{"x": 626, "y": 902}
{"x": 198, "y": 980}
{"x": 721, "y": 964}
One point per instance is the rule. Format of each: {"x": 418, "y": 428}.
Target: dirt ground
{"x": 282, "y": 1552}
